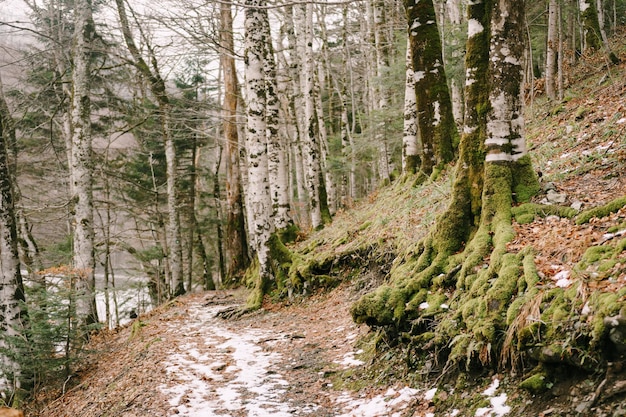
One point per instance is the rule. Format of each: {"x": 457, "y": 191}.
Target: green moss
{"x": 596, "y": 253}
{"x": 525, "y": 182}
{"x": 526, "y": 213}
{"x": 385, "y": 306}
{"x": 603, "y": 211}
{"x": 537, "y": 383}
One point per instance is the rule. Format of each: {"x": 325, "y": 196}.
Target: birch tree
{"x": 277, "y": 156}
{"x": 11, "y": 287}
{"x": 410, "y": 138}
{"x": 310, "y": 139}
{"x": 259, "y": 202}
{"x": 81, "y": 164}
{"x": 552, "y": 48}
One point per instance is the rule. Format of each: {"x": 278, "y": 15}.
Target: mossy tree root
{"x": 462, "y": 298}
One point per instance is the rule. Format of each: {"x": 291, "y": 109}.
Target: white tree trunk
{"x": 81, "y": 166}
{"x": 311, "y": 146}
{"x": 551, "y": 52}
{"x": 277, "y": 157}
{"x": 410, "y": 142}
{"x": 505, "y": 140}
{"x": 11, "y": 288}
{"x": 294, "y": 63}
{"x": 259, "y": 202}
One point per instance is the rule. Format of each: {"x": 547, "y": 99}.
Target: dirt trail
{"x": 182, "y": 360}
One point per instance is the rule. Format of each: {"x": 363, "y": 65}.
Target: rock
{"x": 583, "y": 407}
{"x": 577, "y": 205}
{"x": 555, "y": 197}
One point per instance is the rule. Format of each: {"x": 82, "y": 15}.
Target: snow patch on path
{"x": 229, "y": 372}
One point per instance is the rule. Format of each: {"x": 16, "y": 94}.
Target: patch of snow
{"x": 389, "y": 404}
{"x": 349, "y": 360}
{"x": 498, "y": 406}
{"x": 237, "y": 360}
{"x": 562, "y": 279}
{"x": 491, "y": 390}
{"x": 430, "y": 394}
{"x": 424, "y": 305}
{"x": 621, "y": 121}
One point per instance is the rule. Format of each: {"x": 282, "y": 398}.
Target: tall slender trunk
{"x": 236, "y": 242}
{"x": 277, "y": 157}
{"x": 552, "y": 48}
{"x": 259, "y": 202}
{"x": 81, "y": 166}
{"x": 311, "y": 144}
{"x": 410, "y": 141}
{"x": 11, "y": 287}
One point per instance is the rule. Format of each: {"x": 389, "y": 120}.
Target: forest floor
{"x": 307, "y": 357}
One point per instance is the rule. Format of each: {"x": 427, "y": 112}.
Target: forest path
{"x": 182, "y": 360}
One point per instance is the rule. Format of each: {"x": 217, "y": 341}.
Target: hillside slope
{"x": 304, "y": 356}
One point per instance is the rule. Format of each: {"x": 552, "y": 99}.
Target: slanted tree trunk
{"x": 158, "y": 90}
{"x": 11, "y": 287}
{"x": 81, "y": 165}
{"x": 435, "y": 119}
{"x": 236, "y": 241}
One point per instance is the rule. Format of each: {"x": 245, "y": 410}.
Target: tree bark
{"x": 410, "y": 137}
{"x": 259, "y": 202}
{"x": 236, "y": 241}
{"x": 436, "y": 122}
{"x": 11, "y": 287}
{"x": 277, "y": 156}
{"x": 81, "y": 165}
{"x": 552, "y": 48}
{"x": 310, "y": 137}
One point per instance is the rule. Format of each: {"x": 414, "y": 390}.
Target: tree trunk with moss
{"x": 434, "y": 106}
{"x": 443, "y": 278}
{"x": 259, "y": 202}
{"x": 278, "y": 167}
{"x": 592, "y": 32}
{"x": 236, "y": 242}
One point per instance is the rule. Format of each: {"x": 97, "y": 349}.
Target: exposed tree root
{"x": 486, "y": 306}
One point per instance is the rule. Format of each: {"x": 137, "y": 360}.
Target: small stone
{"x": 582, "y": 407}
{"x": 577, "y": 205}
